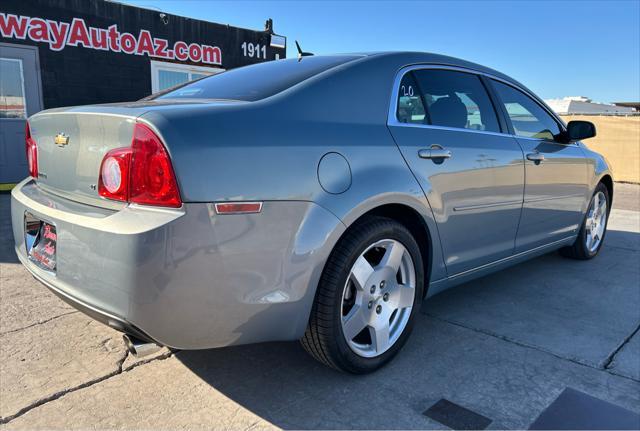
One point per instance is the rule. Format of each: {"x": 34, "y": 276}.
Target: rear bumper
{"x": 185, "y": 278}
{"x": 117, "y": 323}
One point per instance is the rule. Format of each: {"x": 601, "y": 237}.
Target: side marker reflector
{"x": 238, "y": 208}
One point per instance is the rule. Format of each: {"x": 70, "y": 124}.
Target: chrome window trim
{"x": 429, "y": 126}
{"x": 548, "y": 141}
{"x": 392, "y": 119}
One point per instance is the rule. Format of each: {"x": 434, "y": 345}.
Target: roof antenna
{"x": 301, "y": 53}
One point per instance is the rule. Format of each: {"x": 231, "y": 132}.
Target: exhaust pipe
{"x": 139, "y": 348}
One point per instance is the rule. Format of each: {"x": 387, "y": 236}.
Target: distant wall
{"x": 618, "y": 139}
{"x": 568, "y": 106}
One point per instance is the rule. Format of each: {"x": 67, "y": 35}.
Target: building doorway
{"x": 20, "y": 97}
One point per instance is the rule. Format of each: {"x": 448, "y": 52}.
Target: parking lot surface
{"x": 504, "y": 346}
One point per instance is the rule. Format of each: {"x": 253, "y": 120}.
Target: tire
{"x": 344, "y": 301}
{"x": 585, "y": 247}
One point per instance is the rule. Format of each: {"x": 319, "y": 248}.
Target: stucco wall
{"x": 618, "y": 139}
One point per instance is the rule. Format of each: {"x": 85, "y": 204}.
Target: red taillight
{"x": 141, "y": 174}
{"x": 152, "y": 178}
{"x": 32, "y": 152}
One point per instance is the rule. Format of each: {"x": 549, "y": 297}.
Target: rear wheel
{"x": 368, "y": 295}
{"x": 593, "y": 229}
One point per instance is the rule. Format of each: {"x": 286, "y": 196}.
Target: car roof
{"x": 404, "y": 58}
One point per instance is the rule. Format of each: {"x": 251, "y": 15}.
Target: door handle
{"x": 435, "y": 152}
{"x": 535, "y": 157}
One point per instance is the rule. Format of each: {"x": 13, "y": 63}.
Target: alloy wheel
{"x": 596, "y": 222}
{"x": 378, "y": 297}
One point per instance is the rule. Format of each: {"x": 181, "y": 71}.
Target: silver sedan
{"x": 320, "y": 199}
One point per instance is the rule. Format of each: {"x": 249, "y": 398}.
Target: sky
{"x": 556, "y": 48}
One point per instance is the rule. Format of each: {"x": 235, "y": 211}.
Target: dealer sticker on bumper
{"x": 41, "y": 240}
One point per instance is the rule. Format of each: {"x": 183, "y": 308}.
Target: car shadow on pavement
{"x": 283, "y": 385}
{"x": 623, "y": 240}
{"x": 7, "y": 252}
{"x": 269, "y": 379}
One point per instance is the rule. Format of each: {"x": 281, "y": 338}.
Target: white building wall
{"x": 575, "y": 105}
{"x": 559, "y": 106}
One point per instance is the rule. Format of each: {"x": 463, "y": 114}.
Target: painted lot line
{"x": 504, "y": 346}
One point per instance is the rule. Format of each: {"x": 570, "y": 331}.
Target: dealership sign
{"x": 60, "y": 34}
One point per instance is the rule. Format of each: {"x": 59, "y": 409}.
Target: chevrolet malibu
{"x": 320, "y": 198}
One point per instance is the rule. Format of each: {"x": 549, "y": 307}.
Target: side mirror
{"x": 579, "y": 130}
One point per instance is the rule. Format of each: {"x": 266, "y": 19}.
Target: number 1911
{"x": 254, "y": 50}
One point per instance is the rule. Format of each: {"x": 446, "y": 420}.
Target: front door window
{"x": 528, "y": 118}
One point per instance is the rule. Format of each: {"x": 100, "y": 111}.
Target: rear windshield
{"x": 257, "y": 81}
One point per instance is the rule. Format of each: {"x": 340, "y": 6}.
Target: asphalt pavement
{"x": 504, "y": 348}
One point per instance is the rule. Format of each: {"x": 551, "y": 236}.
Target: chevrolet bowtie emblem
{"x": 61, "y": 140}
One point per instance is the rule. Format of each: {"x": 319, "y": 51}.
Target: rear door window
{"x": 452, "y": 99}
{"x": 528, "y": 118}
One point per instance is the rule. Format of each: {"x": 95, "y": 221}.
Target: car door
{"x": 556, "y": 190}
{"x": 448, "y": 131}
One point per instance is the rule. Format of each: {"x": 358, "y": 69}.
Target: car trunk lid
{"x": 72, "y": 143}
{"x": 71, "y": 146}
